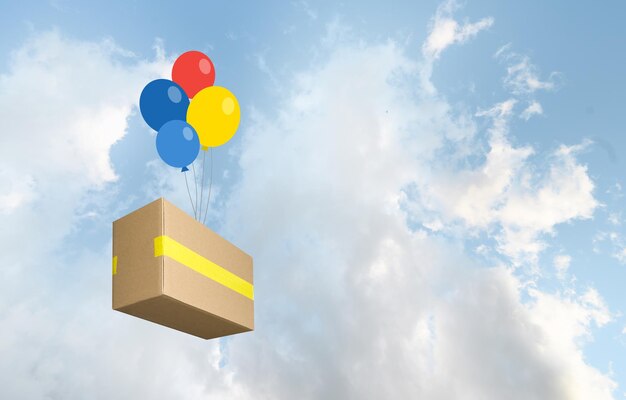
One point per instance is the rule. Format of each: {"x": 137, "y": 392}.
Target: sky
{"x": 432, "y": 193}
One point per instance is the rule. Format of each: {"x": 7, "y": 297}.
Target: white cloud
{"x": 620, "y": 255}
{"x": 477, "y": 196}
{"x": 561, "y": 264}
{"x": 534, "y": 108}
{"x": 18, "y": 190}
{"x": 64, "y": 103}
{"x": 347, "y": 291}
{"x": 53, "y": 94}
{"x": 610, "y": 242}
{"x": 446, "y": 31}
{"x": 505, "y": 195}
{"x": 562, "y": 316}
{"x": 564, "y": 194}
{"x": 521, "y": 343}
{"x": 522, "y": 77}
{"x": 443, "y": 32}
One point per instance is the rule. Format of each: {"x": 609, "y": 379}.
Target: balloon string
{"x": 210, "y": 185}
{"x": 189, "y": 193}
{"x": 195, "y": 183}
{"x": 201, "y": 186}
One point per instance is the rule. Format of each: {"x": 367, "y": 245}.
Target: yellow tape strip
{"x": 114, "y": 265}
{"x": 168, "y": 247}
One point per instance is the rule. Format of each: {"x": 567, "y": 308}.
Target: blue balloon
{"x": 163, "y": 100}
{"x": 178, "y": 144}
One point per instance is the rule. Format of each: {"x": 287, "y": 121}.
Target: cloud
{"x": 610, "y": 242}
{"x": 561, "y": 316}
{"x": 476, "y": 198}
{"x": 620, "y": 250}
{"x": 534, "y": 108}
{"x": 64, "y": 103}
{"x": 505, "y": 196}
{"x": 443, "y": 32}
{"x": 565, "y": 193}
{"x": 522, "y": 77}
{"x": 354, "y": 298}
{"x": 349, "y": 292}
{"x": 561, "y": 264}
{"x": 65, "y": 120}
{"x": 18, "y": 190}
{"x": 446, "y": 31}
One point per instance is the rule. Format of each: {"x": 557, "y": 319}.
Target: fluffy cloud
{"x": 522, "y": 76}
{"x": 64, "y": 103}
{"x": 354, "y": 298}
{"x": 534, "y": 108}
{"x": 353, "y": 302}
{"x": 62, "y": 127}
{"x": 561, "y": 264}
{"x": 505, "y": 196}
{"x": 446, "y": 31}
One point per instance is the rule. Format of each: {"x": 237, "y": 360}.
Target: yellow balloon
{"x": 214, "y": 114}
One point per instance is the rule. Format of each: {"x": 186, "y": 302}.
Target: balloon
{"x": 177, "y": 143}
{"x": 162, "y": 100}
{"x": 193, "y": 71}
{"x": 214, "y": 114}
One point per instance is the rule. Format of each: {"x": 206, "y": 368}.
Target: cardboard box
{"x": 170, "y": 269}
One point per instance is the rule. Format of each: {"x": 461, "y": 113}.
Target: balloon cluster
{"x": 189, "y": 112}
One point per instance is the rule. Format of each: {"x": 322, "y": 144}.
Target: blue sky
{"x": 425, "y": 187}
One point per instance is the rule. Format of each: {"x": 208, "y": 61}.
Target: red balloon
{"x": 193, "y": 71}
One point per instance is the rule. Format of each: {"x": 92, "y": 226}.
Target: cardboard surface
{"x": 170, "y": 269}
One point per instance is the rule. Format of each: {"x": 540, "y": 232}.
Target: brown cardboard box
{"x": 170, "y": 269}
